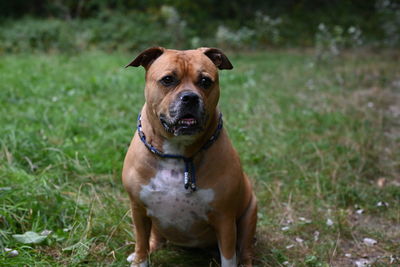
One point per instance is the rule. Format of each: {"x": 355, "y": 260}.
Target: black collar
{"x": 189, "y": 175}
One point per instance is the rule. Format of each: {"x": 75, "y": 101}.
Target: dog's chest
{"x": 170, "y": 203}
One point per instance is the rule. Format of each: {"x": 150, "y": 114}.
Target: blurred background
{"x": 75, "y": 25}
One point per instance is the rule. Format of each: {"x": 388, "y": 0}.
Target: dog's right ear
{"x": 146, "y": 57}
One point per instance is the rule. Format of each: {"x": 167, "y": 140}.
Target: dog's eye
{"x": 205, "y": 82}
{"x": 168, "y": 80}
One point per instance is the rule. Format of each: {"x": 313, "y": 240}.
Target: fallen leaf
{"x": 7, "y": 188}
{"x": 362, "y": 263}
{"x": 360, "y": 211}
{"x": 304, "y": 220}
{"x": 46, "y": 232}
{"x": 381, "y": 182}
{"x": 67, "y": 229}
{"x": 316, "y": 236}
{"x": 29, "y": 238}
{"x": 369, "y": 241}
{"x": 285, "y": 228}
{"x": 393, "y": 259}
{"x": 382, "y": 204}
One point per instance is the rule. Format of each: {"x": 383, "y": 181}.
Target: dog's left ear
{"x": 218, "y": 58}
{"x": 146, "y": 57}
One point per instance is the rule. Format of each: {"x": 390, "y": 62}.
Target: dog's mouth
{"x": 187, "y": 121}
{"x": 187, "y": 124}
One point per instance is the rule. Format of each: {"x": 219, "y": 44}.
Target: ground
{"x": 320, "y": 140}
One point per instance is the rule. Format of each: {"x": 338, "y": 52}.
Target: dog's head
{"x": 182, "y": 87}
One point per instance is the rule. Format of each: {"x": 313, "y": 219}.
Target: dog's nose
{"x": 189, "y": 98}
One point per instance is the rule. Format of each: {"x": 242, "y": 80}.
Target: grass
{"x": 320, "y": 141}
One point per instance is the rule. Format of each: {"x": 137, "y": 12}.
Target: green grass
{"x": 318, "y": 140}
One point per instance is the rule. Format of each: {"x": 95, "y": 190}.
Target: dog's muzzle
{"x": 186, "y": 114}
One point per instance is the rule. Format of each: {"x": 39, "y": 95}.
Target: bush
{"x": 33, "y": 34}
{"x": 330, "y": 42}
{"x": 112, "y": 29}
{"x": 108, "y": 31}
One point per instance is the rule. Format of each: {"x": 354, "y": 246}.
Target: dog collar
{"x": 189, "y": 174}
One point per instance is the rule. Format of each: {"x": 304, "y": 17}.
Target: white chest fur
{"x": 167, "y": 200}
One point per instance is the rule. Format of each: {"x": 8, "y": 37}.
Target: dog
{"x": 183, "y": 176}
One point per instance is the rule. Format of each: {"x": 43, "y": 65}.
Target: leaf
{"x": 29, "y": 238}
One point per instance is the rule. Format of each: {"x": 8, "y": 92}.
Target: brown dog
{"x": 183, "y": 176}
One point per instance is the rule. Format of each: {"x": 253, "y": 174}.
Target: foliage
{"x": 108, "y": 31}
{"x": 267, "y": 29}
{"x": 241, "y": 38}
{"x": 317, "y": 141}
{"x": 389, "y": 12}
{"x": 109, "y": 24}
{"x": 330, "y": 43}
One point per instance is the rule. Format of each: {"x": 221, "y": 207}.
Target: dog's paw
{"x": 132, "y": 258}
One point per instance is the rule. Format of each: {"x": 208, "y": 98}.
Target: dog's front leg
{"x": 226, "y": 235}
{"x": 142, "y": 233}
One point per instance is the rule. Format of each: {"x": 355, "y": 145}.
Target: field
{"x": 321, "y": 141}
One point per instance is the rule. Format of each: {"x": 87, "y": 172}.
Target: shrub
{"x": 389, "y": 12}
{"x": 329, "y": 42}
{"x": 32, "y": 35}
{"x": 234, "y": 39}
{"x": 108, "y": 31}
{"x": 267, "y": 29}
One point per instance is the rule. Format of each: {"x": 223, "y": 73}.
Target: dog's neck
{"x": 185, "y": 145}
